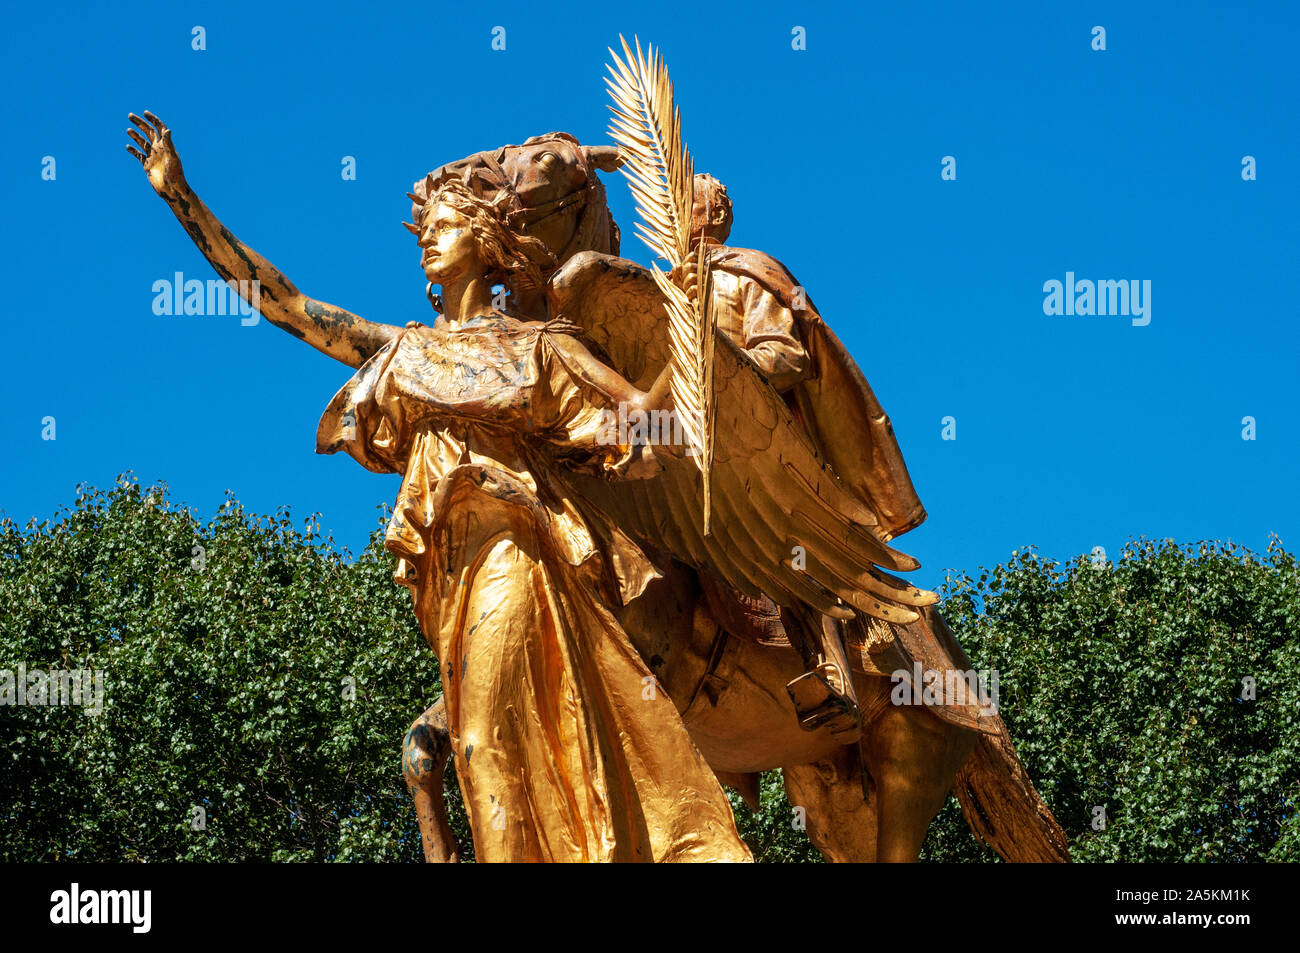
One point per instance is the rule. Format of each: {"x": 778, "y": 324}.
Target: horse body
{"x": 865, "y": 802}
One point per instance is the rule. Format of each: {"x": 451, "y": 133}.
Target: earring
{"x": 434, "y": 299}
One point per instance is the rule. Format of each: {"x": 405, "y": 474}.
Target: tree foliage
{"x": 259, "y": 681}
{"x": 226, "y": 648}
{"x": 1128, "y": 685}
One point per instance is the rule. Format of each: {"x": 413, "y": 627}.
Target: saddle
{"x": 875, "y": 648}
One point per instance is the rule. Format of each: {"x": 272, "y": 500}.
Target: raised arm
{"x": 341, "y": 334}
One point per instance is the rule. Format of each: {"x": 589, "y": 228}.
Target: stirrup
{"x": 819, "y": 705}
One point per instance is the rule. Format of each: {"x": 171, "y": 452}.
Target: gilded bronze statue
{"x": 645, "y": 519}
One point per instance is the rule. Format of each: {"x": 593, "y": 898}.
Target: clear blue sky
{"x": 1072, "y": 432}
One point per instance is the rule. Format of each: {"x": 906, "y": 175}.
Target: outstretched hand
{"x": 156, "y": 152}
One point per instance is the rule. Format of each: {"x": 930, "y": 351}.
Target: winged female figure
{"x": 562, "y": 754}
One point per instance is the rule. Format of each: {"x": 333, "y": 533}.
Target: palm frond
{"x": 648, "y": 129}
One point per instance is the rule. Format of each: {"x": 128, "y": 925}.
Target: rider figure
{"x": 765, "y": 327}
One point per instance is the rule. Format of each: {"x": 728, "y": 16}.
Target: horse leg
{"x": 912, "y": 757}
{"x": 424, "y": 762}
{"x": 841, "y": 819}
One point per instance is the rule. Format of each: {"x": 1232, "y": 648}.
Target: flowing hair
{"x": 520, "y": 262}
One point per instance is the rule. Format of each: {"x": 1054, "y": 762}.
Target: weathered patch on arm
{"x": 238, "y": 248}
{"x": 327, "y": 318}
{"x": 201, "y": 240}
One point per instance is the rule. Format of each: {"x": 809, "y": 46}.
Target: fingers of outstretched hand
{"x": 149, "y": 131}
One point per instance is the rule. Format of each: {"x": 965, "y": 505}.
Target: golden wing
{"x": 616, "y": 302}
{"x": 783, "y": 524}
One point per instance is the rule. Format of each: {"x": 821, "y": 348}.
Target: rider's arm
{"x": 771, "y": 338}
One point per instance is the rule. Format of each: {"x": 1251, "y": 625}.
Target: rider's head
{"x": 711, "y": 213}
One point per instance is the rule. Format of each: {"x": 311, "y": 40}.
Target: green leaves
{"x": 266, "y": 679}
{"x": 1122, "y": 686}
{"x": 772, "y": 833}
{"x": 224, "y": 688}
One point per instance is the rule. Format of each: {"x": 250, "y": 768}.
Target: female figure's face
{"x": 450, "y": 250}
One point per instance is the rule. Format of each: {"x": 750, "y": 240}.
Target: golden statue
{"x": 649, "y": 556}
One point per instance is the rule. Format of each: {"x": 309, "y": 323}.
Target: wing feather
{"x": 771, "y": 492}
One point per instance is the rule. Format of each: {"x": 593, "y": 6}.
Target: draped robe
{"x": 565, "y": 747}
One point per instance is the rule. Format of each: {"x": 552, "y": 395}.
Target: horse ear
{"x": 604, "y": 158}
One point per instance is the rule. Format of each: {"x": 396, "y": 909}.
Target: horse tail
{"x": 1002, "y": 806}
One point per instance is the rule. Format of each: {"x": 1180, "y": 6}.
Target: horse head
{"x": 550, "y": 188}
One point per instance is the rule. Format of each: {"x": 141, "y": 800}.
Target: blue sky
{"x": 1072, "y": 432}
